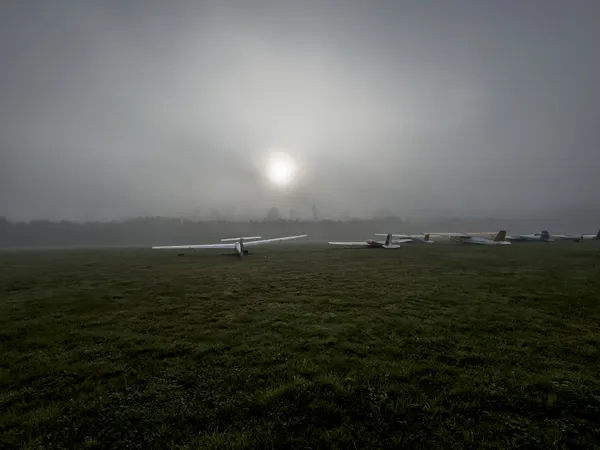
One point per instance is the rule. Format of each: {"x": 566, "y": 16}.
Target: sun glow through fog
{"x": 281, "y": 168}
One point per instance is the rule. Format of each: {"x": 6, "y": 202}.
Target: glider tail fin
{"x": 501, "y": 236}
{"x": 238, "y": 238}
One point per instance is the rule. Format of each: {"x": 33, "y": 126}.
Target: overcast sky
{"x": 111, "y": 109}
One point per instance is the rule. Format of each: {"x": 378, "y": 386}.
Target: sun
{"x": 281, "y": 168}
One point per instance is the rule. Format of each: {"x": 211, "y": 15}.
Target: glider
{"x": 577, "y": 238}
{"x": 538, "y": 236}
{"x": 417, "y": 238}
{"x": 370, "y": 243}
{"x": 238, "y": 244}
{"x": 464, "y": 238}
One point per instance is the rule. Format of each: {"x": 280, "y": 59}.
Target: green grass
{"x": 426, "y": 347}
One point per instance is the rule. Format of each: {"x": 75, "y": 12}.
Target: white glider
{"x": 595, "y": 237}
{"x": 463, "y": 238}
{"x": 237, "y": 244}
{"x": 538, "y": 236}
{"x": 569, "y": 237}
{"x": 577, "y": 238}
{"x": 370, "y": 243}
{"x": 422, "y": 238}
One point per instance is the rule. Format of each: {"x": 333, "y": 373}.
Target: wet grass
{"x": 425, "y": 347}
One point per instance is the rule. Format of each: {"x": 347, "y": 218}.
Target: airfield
{"x": 302, "y": 346}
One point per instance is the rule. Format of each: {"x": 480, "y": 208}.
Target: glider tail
{"x": 238, "y": 238}
{"x": 501, "y": 236}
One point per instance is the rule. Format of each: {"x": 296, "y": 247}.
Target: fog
{"x": 115, "y": 109}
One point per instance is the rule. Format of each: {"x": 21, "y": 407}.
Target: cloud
{"x": 112, "y": 110}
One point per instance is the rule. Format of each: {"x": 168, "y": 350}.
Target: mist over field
{"x": 173, "y": 231}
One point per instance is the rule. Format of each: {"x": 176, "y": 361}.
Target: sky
{"x": 112, "y": 109}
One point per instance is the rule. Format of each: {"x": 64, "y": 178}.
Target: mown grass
{"x": 426, "y": 347}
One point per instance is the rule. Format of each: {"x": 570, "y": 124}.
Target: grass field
{"x": 425, "y": 347}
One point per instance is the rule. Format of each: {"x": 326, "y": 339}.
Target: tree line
{"x": 146, "y": 231}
